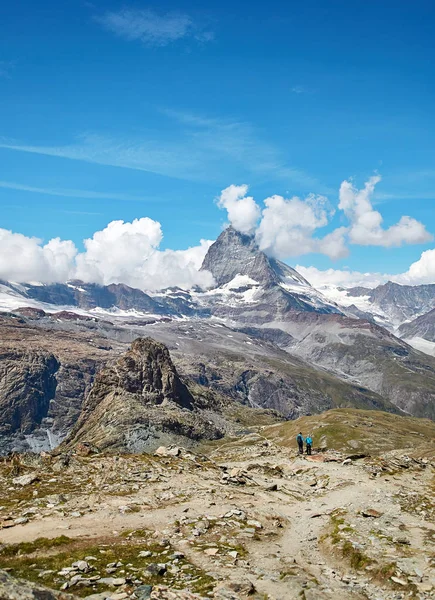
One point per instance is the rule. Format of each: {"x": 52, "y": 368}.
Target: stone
{"x": 272, "y": 488}
{"x": 25, "y": 479}
{"x": 118, "y": 581}
{"x": 145, "y": 554}
{"x": 371, "y": 512}
{"x": 174, "y": 451}
{"x": 244, "y": 587}
{"x": 211, "y": 551}
{"x": 156, "y": 568}
{"x": 403, "y": 540}
{"x": 253, "y": 523}
{"x": 7, "y": 523}
{"x": 399, "y": 581}
{"x": 143, "y": 592}
{"x": 81, "y": 565}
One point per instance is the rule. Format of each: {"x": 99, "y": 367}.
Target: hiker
{"x": 309, "y": 443}
{"x": 300, "y": 441}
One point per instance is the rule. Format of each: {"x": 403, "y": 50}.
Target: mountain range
{"x": 261, "y": 338}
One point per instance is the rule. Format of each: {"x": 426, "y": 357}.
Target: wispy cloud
{"x": 200, "y": 149}
{"x": 6, "y": 68}
{"x": 153, "y": 28}
{"x": 66, "y": 193}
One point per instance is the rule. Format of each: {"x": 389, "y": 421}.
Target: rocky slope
{"x": 247, "y": 518}
{"x": 255, "y": 372}
{"x": 366, "y": 354}
{"x": 140, "y": 401}
{"x": 421, "y": 327}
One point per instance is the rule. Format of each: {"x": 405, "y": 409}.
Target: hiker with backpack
{"x": 308, "y": 443}
{"x": 300, "y": 441}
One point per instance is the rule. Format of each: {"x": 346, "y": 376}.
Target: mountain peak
{"x": 235, "y": 253}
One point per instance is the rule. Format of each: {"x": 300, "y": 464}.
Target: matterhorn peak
{"x": 235, "y": 253}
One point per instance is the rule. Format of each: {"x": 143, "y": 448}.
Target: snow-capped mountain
{"x": 390, "y": 304}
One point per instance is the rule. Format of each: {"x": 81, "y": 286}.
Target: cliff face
{"x": 139, "y": 403}
{"x": 27, "y": 385}
{"x": 44, "y": 377}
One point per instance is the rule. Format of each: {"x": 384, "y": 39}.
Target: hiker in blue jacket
{"x": 300, "y": 441}
{"x": 308, "y": 443}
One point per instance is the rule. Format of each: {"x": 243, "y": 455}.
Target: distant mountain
{"x": 423, "y": 327}
{"x": 396, "y": 303}
{"x": 90, "y": 296}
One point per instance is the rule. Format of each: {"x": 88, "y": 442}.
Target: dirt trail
{"x": 292, "y": 501}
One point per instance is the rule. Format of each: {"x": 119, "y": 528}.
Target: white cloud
{"x": 243, "y": 211}
{"x": 128, "y": 253}
{"x": 366, "y": 223}
{"x": 118, "y": 252}
{"x": 287, "y": 227}
{"x": 152, "y": 28}
{"x": 27, "y": 259}
{"x": 341, "y": 278}
{"x": 420, "y": 272}
{"x": 121, "y": 253}
{"x": 423, "y": 270}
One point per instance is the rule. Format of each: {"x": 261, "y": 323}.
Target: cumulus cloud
{"x": 121, "y": 253}
{"x": 27, "y": 259}
{"x": 243, "y": 211}
{"x": 128, "y": 253}
{"x": 287, "y": 227}
{"x": 420, "y": 272}
{"x": 423, "y": 270}
{"x": 366, "y": 223}
{"x": 152, "y": 28}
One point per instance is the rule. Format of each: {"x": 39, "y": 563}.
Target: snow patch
{"x": 421, "y": 344}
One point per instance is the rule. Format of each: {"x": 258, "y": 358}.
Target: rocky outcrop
{"x": 139, "y": 403}
{"x": 14, "y": 589}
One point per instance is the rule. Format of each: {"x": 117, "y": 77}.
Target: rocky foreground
{"x": 241, "y": 518}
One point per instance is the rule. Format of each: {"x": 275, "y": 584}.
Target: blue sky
{"x": 122, "y": 110}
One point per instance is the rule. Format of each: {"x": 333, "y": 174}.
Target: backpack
{"x": 299, "y": 439}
